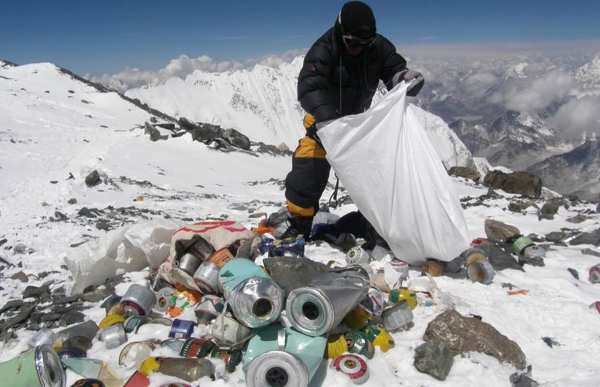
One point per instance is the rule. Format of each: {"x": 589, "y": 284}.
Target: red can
{"x": 596, "y": 306}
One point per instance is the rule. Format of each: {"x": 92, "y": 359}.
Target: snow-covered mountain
{"x": 262, "y": 104}
{"x": 589, "y": 74}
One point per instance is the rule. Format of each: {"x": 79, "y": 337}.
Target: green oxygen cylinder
{"x": 37, "y": 367}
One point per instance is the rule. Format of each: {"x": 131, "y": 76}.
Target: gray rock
{"x": 590, "y": 252}
{"x": 467, "y": 173}
{"x": 467, "y": 334}
{"x": 533, "y": 261}
{"x": 592, "y": 238}
{"x": 72, "y": 201}
{"x": 236, "y": 138}
{"x": 522, "y": 183}
{"x": 19, "y": 319}
{"x": 103, "y": 224}
{"x": 573, "y": 272}
{"x": 10, "y": 305}
{"x": 548, "y": 210}
{"x": 579, "y": 218}
{"x": 92, "y": 179}
{"x": 36, "y": 292}
{"x": 20, "y": 248}
{"x": 499, "y": 232}
{"x": 20, "y": 276}
{"x": 71, "y": 317}
{"x": 499, "y": 258}
{"x": 556, "y": 236}
{"x": 434, "y": 358}
{"x": 152, "y": 131}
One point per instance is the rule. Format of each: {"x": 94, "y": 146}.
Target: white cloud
{"x": 552, "y": 87}
{"x": 577, "y": 116}
{"x": 184, "y": 66}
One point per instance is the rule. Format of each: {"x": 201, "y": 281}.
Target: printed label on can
{"x": 221, "y": 257}
{"x": 132, "y": 307}
{"x": 197, "y": 348}
{"x": 353, "y": 366}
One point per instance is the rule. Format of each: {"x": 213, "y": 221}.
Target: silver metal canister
{"x": 188, "y": 263}
{"x": 320, "y": 306}
{"x": 277, "y": 368}
{"x": 397, "y": 316}
{"x": 43, "y": 336}
{"x": 138, "y": 300}
{"x": 207, "y": 278}
{"x": 256, "y": 301}
{"x": 482, "y": 272}
{"x": 357, "y": 256}
{"x": 201, "y": 248}
{"x": 163, "y": 298}
{"x": 37, "y": 367}
{"x": 113, "y": 336}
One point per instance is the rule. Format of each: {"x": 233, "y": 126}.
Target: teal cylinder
{"x": 37, "y": 367}
{"x": 236, "y": 271}
{"x": 283, "y": 350}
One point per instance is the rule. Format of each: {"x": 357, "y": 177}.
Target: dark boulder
{"x": 521, "y": 183}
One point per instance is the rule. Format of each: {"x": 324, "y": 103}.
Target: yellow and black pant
{"x": 308, "y": 178}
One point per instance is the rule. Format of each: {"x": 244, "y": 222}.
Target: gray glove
{"x": 414, "y": 78}
{"x": 323, "y": 124}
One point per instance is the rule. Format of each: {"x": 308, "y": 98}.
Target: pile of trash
{"x": 228, "y": 297}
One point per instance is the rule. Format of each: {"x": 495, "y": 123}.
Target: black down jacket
{"x": 334, "y": 84}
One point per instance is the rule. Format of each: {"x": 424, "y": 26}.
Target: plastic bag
{"x": 391, "y": 170}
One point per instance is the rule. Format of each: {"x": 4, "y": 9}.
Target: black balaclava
{"x": 356, "y": 18}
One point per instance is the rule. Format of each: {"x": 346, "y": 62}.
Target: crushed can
{"x": 186, "y": 368}
{"x": 594, "y": 274}
{"x": 276, "y": 354}
{"x": 235, "y": 272}
{"x": 138, "y": 300}
{"x": 42, "y": 336}
{"x": 87, "y": 329}
{"x": 289, "y": 247}
{"x": 397, "y": 316}
{"x": 209, "y": 307}
{"x": 403, "y": 294}
{"x": 256, "y": 301}
{"x": 182, "y": 329}
{"x": 320, "y": 306}
{"x": 133, "y": 354}
{"x": 379, "y": 337}
{"x": 113, "y": 336}
{"x": 36, "y": 367}
{"x": 352, "y": 366}
{"x": 482, "y": 272}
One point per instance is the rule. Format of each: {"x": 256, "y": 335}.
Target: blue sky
{"x": 104, "y": 37}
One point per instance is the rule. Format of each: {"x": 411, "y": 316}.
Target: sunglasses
{"x": 354, "y": 42}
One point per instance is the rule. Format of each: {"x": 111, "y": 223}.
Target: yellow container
{"x": 336, "y": 345}
{"x": 377, "y": 335}
{"x": 150, "y": 365}
{"x": 111, "y": 320}
{"x": 357, "y": 318}
{"x": 403, "y": 294}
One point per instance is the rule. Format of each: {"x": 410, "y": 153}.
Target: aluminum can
{"x": 320, "y": 306}
{"x": 113, "y": 336}
{"x": 482, "y": 272}
{"x": 201, "y": 248}
{"x": 353, "y": 366}
{"x": 358, "y": 343}
{"x": 189, "y": 263}
{"x": 42, "y": 336}
{"x": 521, "y": 243}
{"x": 229, "y": 332}
{"x": 37, "y": 367}
{"x": 197, "y": 348}
{"x": 182, "y": 329}
{"x": 595, "y": 274}
{"x": 256, "y": 301}
{"x": 209, "y": 307}
{"x": 87, "y": 329}
{"x": 207, "y": 278}
{"x": 397, "y": 316}
{"x": 138, "y": 300}
{"x": 163, "y": 299}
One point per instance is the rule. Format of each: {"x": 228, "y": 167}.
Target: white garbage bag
{"x": 391, "y": 170}
{"x": 128, "y": 249}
